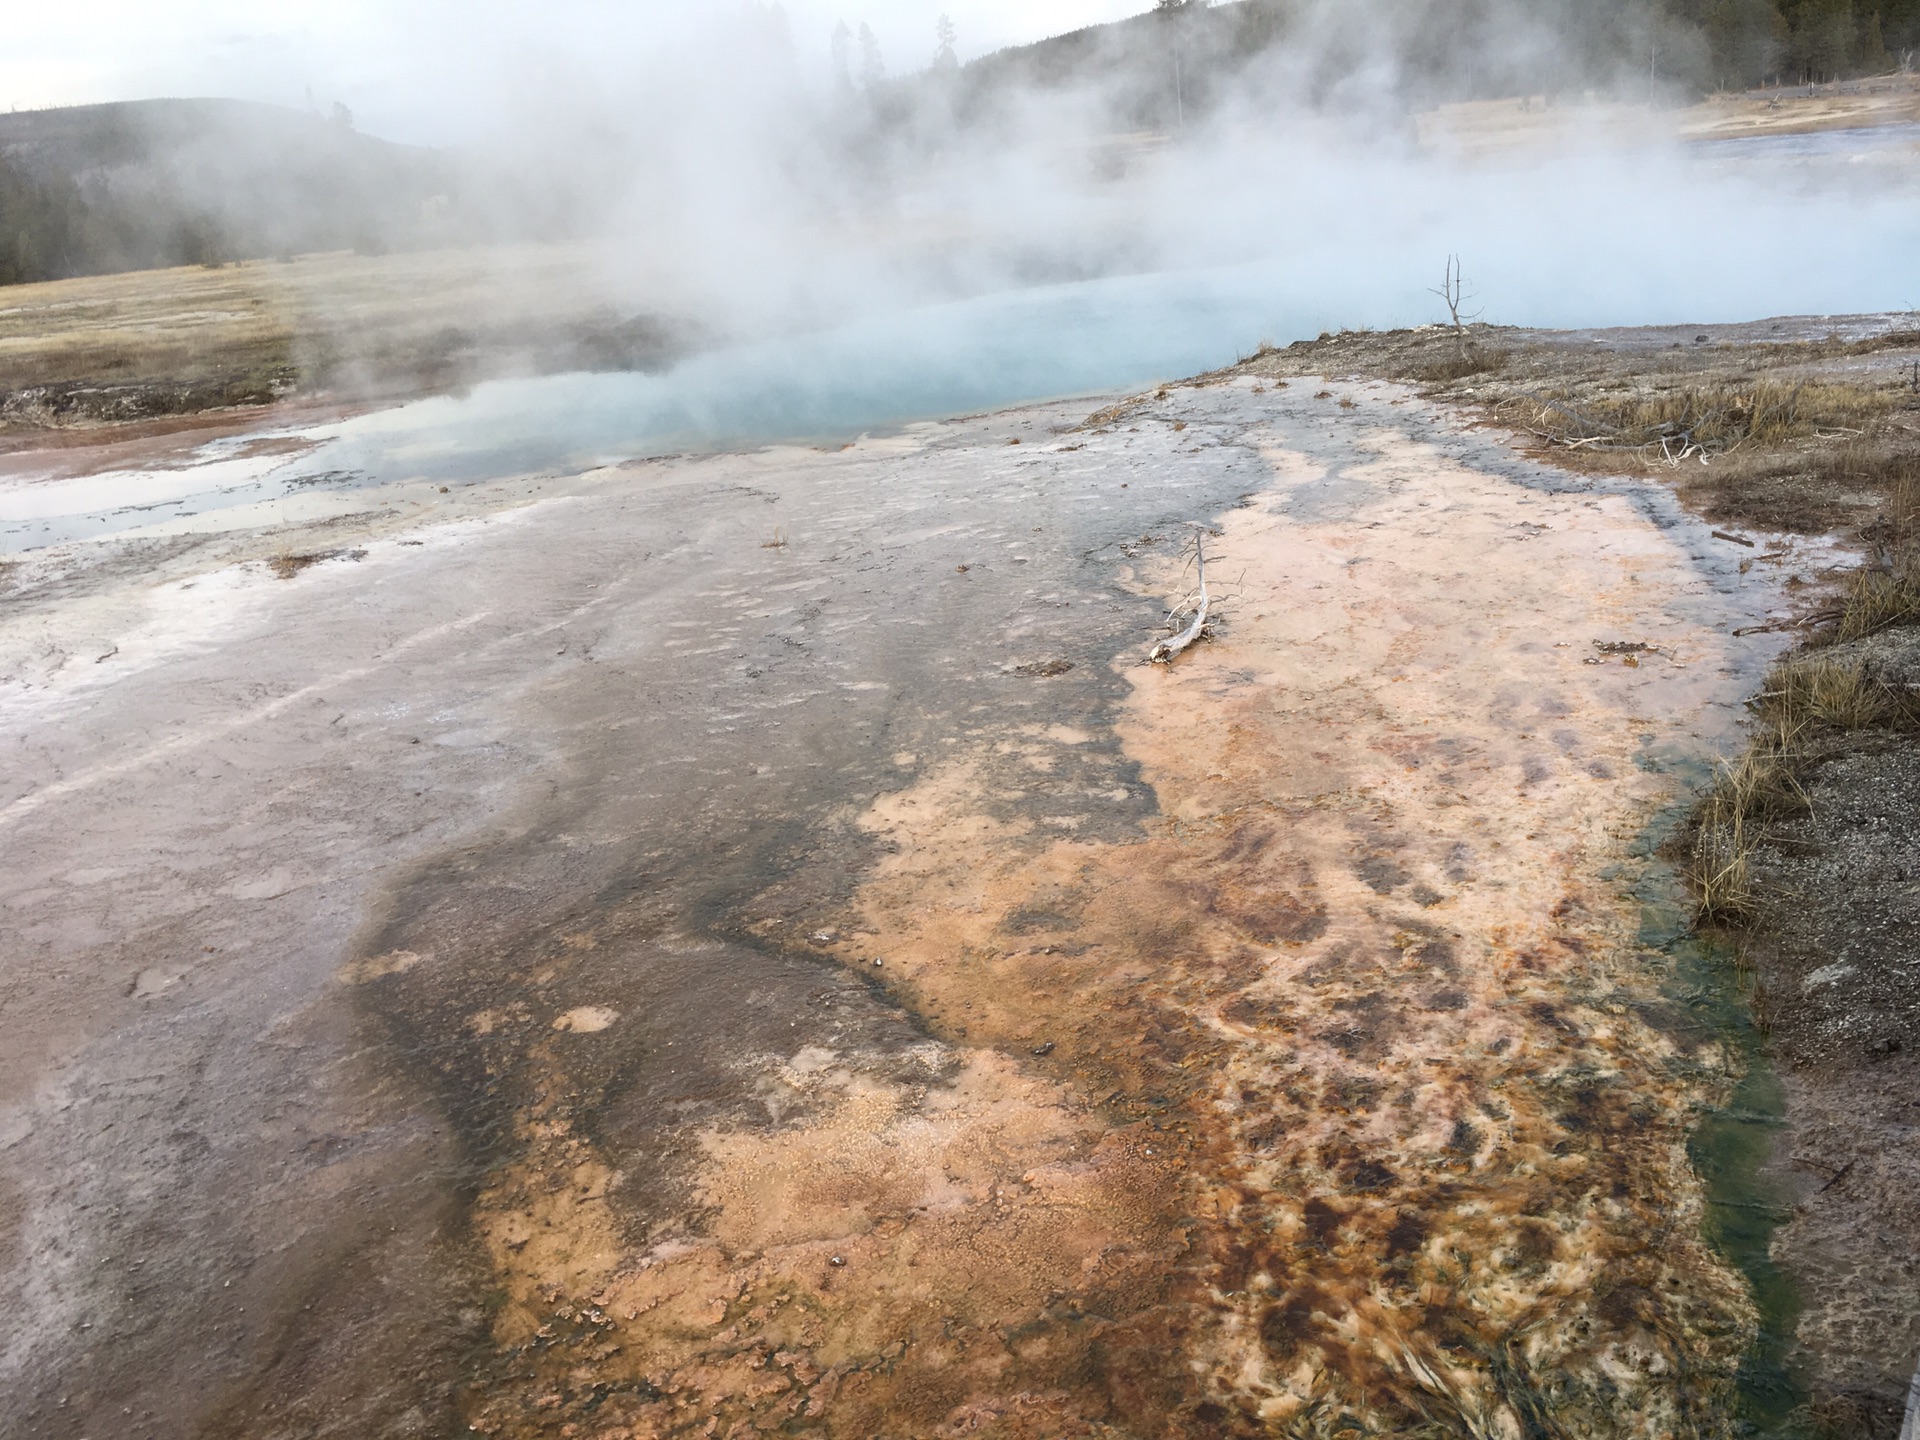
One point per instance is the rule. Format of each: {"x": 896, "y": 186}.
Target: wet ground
{"x": 1835, "y": 962}
{"x": 737, "y": 942}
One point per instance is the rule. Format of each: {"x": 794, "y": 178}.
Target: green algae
{"x": 1732, "y": 1146}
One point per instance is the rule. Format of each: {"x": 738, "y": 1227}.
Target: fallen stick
{"x": 1799, "y": 623}
{"x": 1163, "y": 653}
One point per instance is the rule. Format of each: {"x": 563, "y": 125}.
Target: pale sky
{"x": 419, "y": 70}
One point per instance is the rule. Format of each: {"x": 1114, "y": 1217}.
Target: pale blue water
{"x": 1621, "y": 241}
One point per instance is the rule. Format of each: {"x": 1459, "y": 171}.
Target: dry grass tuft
{"x": 1782, "y": 492}
{"x": 288, "y": 564}
{"x": 1767, "y": 412}
{"x": 1808, "y": 699}
{"x": 1684, "y": 421}
{"x": 1809, "y": 695}
{"x": 1747, "y": 795}
{"x": 1471, "y": 361}
{"x": 1877, "y": 600}
{"x": 1808, "y": 487}
{"x": 1902, "y": 518}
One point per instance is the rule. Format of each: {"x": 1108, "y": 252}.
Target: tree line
{"x": 1692, "y": 45}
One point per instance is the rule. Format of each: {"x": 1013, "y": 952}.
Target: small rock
{"x": 836, "y": 1261}
{"x": 1046, "y": 1049}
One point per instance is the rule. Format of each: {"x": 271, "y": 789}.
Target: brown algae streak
{"x": 1329, "y": 1105}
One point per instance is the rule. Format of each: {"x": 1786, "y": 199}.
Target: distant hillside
{"x": 102, "y": 188}
{"x": 97, "y": 188}
{"x": 1178, "y": 59}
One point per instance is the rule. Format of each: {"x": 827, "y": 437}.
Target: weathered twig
{"x": 1800, "y": 622}
{"x": 1164, "y": 652}
{"x": 1845, "y": 1170}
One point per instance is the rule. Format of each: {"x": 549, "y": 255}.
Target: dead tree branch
{"x": 1164, "y": 652}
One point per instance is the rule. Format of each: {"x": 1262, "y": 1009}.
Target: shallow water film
{"x": 762, "y": 952}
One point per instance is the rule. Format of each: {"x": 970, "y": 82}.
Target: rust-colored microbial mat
{"x": 1335, "y": 1102}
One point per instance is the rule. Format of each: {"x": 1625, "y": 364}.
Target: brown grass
{"x": 1802, "y": 457}
{"x": 289, "y": 563}
{"x": 1470, "y": 361}
{"x": 1809, "y": 700}
{"x": 1707, "y": 418}
{"x": 1790, "y": 493}
{"x": 1878, "y": 599}
{"x": 1731, "y": 823}
{"x": 1902, "y": 517}
{"x": 286, "y": 564}
{"x": 1809, "y": 695}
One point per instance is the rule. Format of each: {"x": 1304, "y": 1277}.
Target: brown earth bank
{"x": 120, "y": 356}
{"x": 1541, "y": 122}
{"x": 1802, "y": 853}
{"x": 741, "y": 944}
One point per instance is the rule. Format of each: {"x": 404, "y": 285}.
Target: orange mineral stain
{"x": 1335, "y": 1102}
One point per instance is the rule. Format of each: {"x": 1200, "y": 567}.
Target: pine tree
{"x": 1823, "y": 37}
{"x": 945, "y": 57}
{"x": 873, "y": 71}
{"x": 843, "y": 55}
{"x": 1874, "y": 59}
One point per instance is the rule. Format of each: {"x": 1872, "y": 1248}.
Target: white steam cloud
{"x": 739, "y": 185}
{"x": 1192, "y": 202}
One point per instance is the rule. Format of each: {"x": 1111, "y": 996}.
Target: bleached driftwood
{"x": 1164, "y": 652}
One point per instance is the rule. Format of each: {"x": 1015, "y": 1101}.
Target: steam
{"x": 731, "y": 179}
{"x": 755, "y": 176}
{"x": 1135, "y": 204}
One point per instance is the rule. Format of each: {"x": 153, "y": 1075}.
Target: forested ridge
{"x": 92, "y": 189}
{"x": 1415, "y": 53}
{"x": 102, "y": 188}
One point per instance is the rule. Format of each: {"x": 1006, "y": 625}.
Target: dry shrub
{"x": 1874, "y": 344}
{"x": 1767, "y": 412}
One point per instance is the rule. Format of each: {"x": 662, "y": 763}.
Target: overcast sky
{"x": 421, "y": 70}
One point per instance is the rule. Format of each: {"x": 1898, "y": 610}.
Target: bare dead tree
{"x": 1453, "y": 291}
